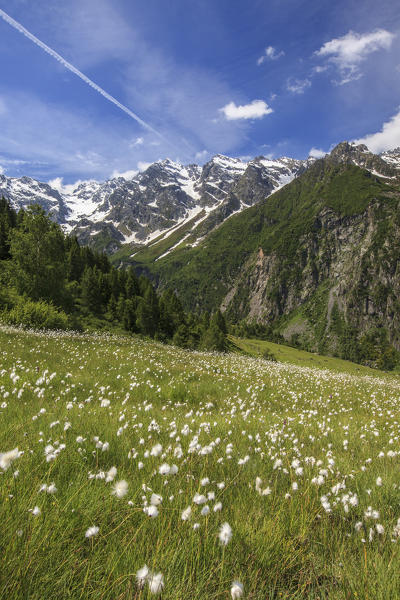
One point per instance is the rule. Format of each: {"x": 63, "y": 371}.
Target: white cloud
{"x": 142, "y": 165}
{"x": 297, "y": 86}
{"x": 387, "y": 138}
{"x": 316, "y": 153}
{"x": 1, "y": 170}
{"x": 126, "y": 174}
{"x": 202, "y": 155}
{"x": 270, "y": 53}
{"x": 254, "y": 110}
{"x": 58, "y": 184}
{"x": 348, "y": 51}
{"x": 137, "y": 142}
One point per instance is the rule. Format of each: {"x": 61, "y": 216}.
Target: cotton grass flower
{"x": 156, "y": 583}
{"x": 236, "y": 590}
{"x": 110, "y": 475}
{"x": 164, "y": 469}
{"x": 199, "y": 499}
{"x": 91, "y": 531}
{"x": 141, "y": 576}
{"x": 155, "y": 499}
{"x": 186, "y": 514}
{"x": 51, "y": 489}
{"x": 151, "y": 511}
{"x": 225, "y": 534}
{"x": 8, "y": 457}
{"x": 120, "y": 488}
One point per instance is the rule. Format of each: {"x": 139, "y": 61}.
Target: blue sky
{"x": 194, "y": 78}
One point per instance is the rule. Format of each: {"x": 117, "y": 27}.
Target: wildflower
{"x": 8, "y": 457}
{"x": 151, "y": 511}
{"x": 217, "y": 506}
{"x": 164, "y": 469}
{"x": 380, "y": 529}
{"x": 156, "y": 450}
{"x": 36, "y": 511}
{"x": 187, "y": 513}
{"x": 205, "y": 510}
{"x": 236, "y": 590}
{"x": 155, "y": 499}
{"x": 225, "y": 534}
{"x": 141, "y": 576}
{"x": 92, "y": 531}
{"x": 199, "y": 499}
{"x": 379, "y": 481}
{"x": 51, "y": 489}
{"x": 110, "y": 475}
{"x": 120, "y": 488}
{"x": 156, "y": 583}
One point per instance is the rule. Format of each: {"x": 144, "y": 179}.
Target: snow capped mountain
{"x": 169, "y": 198}
{"x": 385, "y": 165}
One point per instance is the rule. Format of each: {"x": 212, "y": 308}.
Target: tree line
{"x": 47, "y": 279}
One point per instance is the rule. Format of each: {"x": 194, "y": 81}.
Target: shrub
{"x": 267, "y": 355}
{"x": 38, "y": 315}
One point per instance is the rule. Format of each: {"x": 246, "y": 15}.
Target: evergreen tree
{"x": 214, "y": 339}
{"x": 132, "y": 284}
{"x": 8, "y": 220}
{"x": 90, "y": 290}
{"x": 219, "y": 320}
{"x": 37, "y": 250}
{"x": 144, "y": 321}
{"x": 75, "y": 264}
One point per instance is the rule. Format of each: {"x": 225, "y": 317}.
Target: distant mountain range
{"x": 167, "y": 196}
{"x": 155, "y": 202}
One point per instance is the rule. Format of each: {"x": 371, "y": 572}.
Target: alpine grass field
{"x": 131, "y": 469}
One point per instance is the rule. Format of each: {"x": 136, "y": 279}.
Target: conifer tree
{"x": 37, "y": 250}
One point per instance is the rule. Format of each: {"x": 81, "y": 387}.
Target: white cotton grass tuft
{"x": 155, "y": 499}
{"x": 156, "y": 583}
{"x": 187, "y": 513}
{"x": 151, "y": 511}
{"x": 156, "y": 450}
{"x": 91, "y": 531}
{"x": 164, "y": 469}
{"x": 110, "y": 475}
{"x": 225, "y": 534}
{"x": 51, "y": 489}
{"x": 141, "y": 576}
{"x": 154, "y": 580}
{"x": 120, "y": 488}
{"x": 7, "y": 458}
{"x": 236, "y": 590}
{"x": 199, "y": 499}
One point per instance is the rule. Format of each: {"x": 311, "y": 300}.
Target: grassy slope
{"x": 284, "y": 544}
{"x": 301, "y": 358}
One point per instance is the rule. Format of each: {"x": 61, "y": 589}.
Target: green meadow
{"x": 131, "y": 469}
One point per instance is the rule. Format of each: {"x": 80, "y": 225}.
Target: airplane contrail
{"x": 77, "y": 72}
